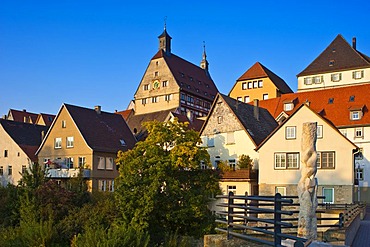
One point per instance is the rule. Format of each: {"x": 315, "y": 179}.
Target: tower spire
{"x": 165, "y": 39}
{"x": 204, "y": 63}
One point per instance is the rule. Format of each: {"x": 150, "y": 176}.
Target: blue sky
{"x": 91, "y": 53}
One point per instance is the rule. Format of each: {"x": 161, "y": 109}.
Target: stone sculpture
{"x": 307, "y": 185}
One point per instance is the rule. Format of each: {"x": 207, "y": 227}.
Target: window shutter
{"x": 362, "y": 73}
{"x": 322, "y": 79}
{"x": 353, "y": 75}
{"x": 340, "y": 76}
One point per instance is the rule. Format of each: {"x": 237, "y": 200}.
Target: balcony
{"x": 67, "y": 173}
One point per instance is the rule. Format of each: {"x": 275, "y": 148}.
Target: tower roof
{"x": 260, "y": 71}
{"x": 338, "y": 56}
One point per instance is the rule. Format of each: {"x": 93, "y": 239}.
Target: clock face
{"x": 156, "y": 84}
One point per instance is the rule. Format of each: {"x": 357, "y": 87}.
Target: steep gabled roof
{"x": 47, "y": 118}
{"x": 28, "y": 136}
{"x": 126, "y": 113}
{"x": 195, "y": 124}
{"x": 135, "y": 122}
{"x": 338, "y": 56}
{"x": 256, "y": 129}
{"x": 189, "y": 77}
{"x": 334, "y": 104}
{"x": 102, "y": 131}
{"x": 19, "y": 116}
{"x": 260, "y": 71}
{"x": 296, "y": 110}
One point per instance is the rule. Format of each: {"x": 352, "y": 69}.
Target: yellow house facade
{"x": 87, "y": 140}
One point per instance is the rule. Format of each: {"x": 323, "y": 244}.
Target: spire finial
{"x": 204, "y": 50}
{"x": 165, "y": 22}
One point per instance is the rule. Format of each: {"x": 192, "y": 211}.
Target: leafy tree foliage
{"x": 161, "y": 187}
{"x": 245, "y": 162}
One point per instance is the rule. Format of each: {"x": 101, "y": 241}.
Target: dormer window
{"x": 123, "y": 143}
{"x": 356, "y": 115}
{"x": 288, "y": 106}
{"x": 351, "y": 98}
{"x": 308, "y": 80}
{"x": 331, "y": 62}
{"x": 331, "y": 101}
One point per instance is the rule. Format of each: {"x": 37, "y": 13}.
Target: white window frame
{"x": 360, "y": 174}
{"x": 70, "y": 141}
{"x": 109, "y": 163}
{"x": 326, "y": 157}
{"x": 101, "y": 163}
{"x": 318, "y": 79}
{"x": 308, "y": 80}
{"x": 244, "y": 86}
{"x": 319, "y": 132}
{"x": 332, "y": 192}
{"x": 280, "y": 161}
{"x": 260, "y": 83}
{"x": 288, "y": 106}
{"x": 232, "y": 163}
{"x": 81, "y": 161}
{"x": 359, "y": 132}
{"x": 356, "y": 115}
{"x": 69, "y": 162}
{"x": 58, "y": 143}
{"x": 231, "y": 188}
{"x": 250, "y": 85}
{"x": 240, "y": 99}
{"x": 336, "y": 77}
{"x": 247, "y": 99}
{"x": 265, "y": 96}
{"x": 102, "y": 185}
{"x": 219, "y": 119}
{"x": 255, "y": 84}
{"x": 358, "y": 74}
{"x": 292, "y": 161}
{"x": 290, "y": 132}
{"x": 281, "y": 190}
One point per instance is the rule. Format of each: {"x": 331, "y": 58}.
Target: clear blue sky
{"x": 95, "y": 52}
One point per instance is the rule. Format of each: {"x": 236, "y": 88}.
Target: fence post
{"x": 246, "y": 211}
{"x": 230, "y": 211}
{"x": 277, "y": 219}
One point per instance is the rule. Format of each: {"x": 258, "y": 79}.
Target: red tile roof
{"x": 260, "y": 71}
{"x": 338, "y": 56}
{"x": 190, "y": 77}
{"x": 337, "y": 112}
{"x": 19, "y": 116}
{"x": 126, "y": 113}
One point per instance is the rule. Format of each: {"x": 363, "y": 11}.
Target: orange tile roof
{"x": 126, "y": 113}
{"x": 337, "y": 112}
{"x": 260, "y": 71}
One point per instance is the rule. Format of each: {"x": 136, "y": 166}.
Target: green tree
{"x": 245, "y": 162}
{"x": 34, "y": 177}
{"x": 161, "y": 187}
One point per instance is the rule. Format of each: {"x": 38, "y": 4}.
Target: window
{"x": 5, "y": 153}
{"x": 146, "y": 87}
{"x": 356, "y": 115}
{"x": 265, "y": 96}
{"x": 246, "y": 99}
{"x": 219, "y": 119}
{"x": 165, "y": 84}
{"x": 240, "y": 99}
{"x": 244, "y": 85}
{"x": 58, "y": 142}
{"x": 329, "y": 195}
{"x": 110, "y": 185}
{"x": 81, "y": 162}
{"x": 250, "y": 84}
{"x": 307, "y": 80}
{"x": 101, "y": 164}
{"x": 109, "y": 163}
{"x": 331, "y": 62}
{"x": 211, "y": 141}
{"x": 290, "y": 132}
{"x": 255, "y": 84}
{"x": 24, "y": 168}
{"x": 232, "y": 164}
{"x": 144, "y": 101}
{"x": 281, "y": 190}
{"x": 344, "y": 132}
{"x": 319, "y": 131}
{"x": 260, "y": 83}
{"x": 318, "y": 79}
{"x": 230, "y": 138}
{"x": 64, "y": 124}
{"x": 336, "y": 77}
{"x": 292, "y": 160}
{"x": 183, "y": 97}
{"x": 326, "y": 160}
{"x": 331, "y": 101}
{"x": 288, "y": 106}
{"x": 360, "y": 174}
{"x": 155, "y": 99}
{"x": 231, "y": 188}
{"x": 70, "y": 142}
{"x": 122, "y": 142}
{"x": 70, "y": 162}
{"x": 10, "y": 170}
{"x": 1, "y": 170}
{"x": 359, "y": 132}
{"x": 351, "y": 98}
{"x": 156, "y": 73}
{"x": 102, "y": 185}
{"x": 358, "y": 74}
{"x": 203, "y": 165}
{"x": 168, "y": 97}
{"x": 280, "y": 161}
{"x": 360, "y": 154}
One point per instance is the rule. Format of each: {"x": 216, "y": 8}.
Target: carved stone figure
{"x": 307, "y": 185}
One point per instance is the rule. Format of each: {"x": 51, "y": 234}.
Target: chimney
{"x": 256, "y": 109}
{"x": 5, "y": 116}
{"x": 354, "y": 43}
{"x": 97, "y": 109}
{"x": 24, "y": 110}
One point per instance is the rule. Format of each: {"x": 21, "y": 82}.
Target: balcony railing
{"x": 67, "y": 173}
